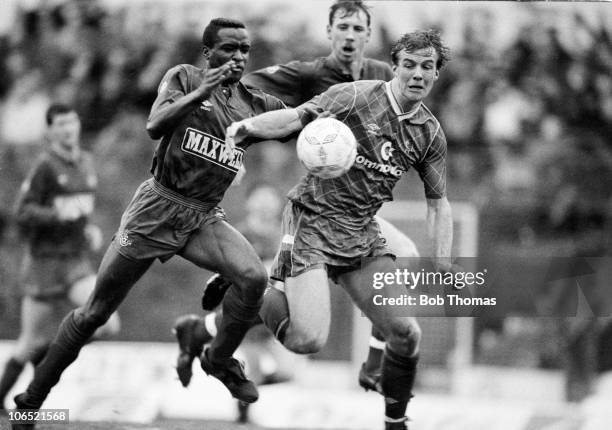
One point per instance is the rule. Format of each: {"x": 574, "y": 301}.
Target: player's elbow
{"x": 154, "y": 129}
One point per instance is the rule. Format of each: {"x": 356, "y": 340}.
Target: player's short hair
{"x": 209, "y": 37}
{"x": 57, "y": 109}
{"x": 422, "y": 39}
{"x": 349, "y": 7}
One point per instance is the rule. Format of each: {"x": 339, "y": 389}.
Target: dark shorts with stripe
{"x": 158, "y": 222}
{"x": 310, "y": 241}
{"x": 50, "y": 277}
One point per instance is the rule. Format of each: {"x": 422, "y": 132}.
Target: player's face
{"x": 349, "y": 35}
{"x": 232, "y": 44}
{"x": 416, "y": 73}
{"x": 65, "y": 130}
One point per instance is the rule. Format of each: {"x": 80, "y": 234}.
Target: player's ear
{"x": 368, "y": 33}
{"x": 329, "y": 29}
{"x": 206, "y": 52}
{"x": 437, "y": 74}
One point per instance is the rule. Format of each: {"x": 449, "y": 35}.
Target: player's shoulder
{"x": 375, "y": 66}
{"x": 259, "y": 94}
{"x": 186, "y": 72}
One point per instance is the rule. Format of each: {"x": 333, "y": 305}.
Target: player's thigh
{"x": 376, "y": 303}
{"x": 399, "y": 243}
{"x": 309, "y": 303}
{"x": 221, "y": 248}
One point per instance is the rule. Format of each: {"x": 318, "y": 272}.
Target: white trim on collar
{"x": 396, "y": 107}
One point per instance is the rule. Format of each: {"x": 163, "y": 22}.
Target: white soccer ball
{"x": 327, "y": 148}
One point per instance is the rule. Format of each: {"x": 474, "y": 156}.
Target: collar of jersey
{"x": 417, "y": 116}
{"x": 331, "y": 63}
{"x": 63, "y": 154}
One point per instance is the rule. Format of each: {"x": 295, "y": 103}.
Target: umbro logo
{"x": 206, "y": 105}
{"x": 373, "y": 129}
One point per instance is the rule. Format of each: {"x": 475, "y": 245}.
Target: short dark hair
{"x": 422, "y": 39}
{"x": 350, "y": 7}
{"x": 209, "y": 37}
{"x": 57, "y": 109}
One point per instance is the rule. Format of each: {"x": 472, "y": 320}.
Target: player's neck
{"x": 407, "y": 106}
{"x": 352, "y": 68}
{"x": 72, "y": 154}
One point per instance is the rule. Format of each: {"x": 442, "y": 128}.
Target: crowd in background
{"x": 528, "y": 125}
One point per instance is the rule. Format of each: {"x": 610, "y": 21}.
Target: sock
{"x": 211, "y": 323}
{"x": 275, "y": 312}
{"x": 62, "y": 352}
{"x": 375, "y": 352}
{"x": 238, "y": 317}
{"x": 38, "y": 354}
{"x": 395, "y": 410}
{"x": 397, "y": 380}
{"x": 12, "y": 370}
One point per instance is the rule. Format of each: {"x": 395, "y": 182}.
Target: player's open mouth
{"x": 348, "y": 49}
{"x": 415, "y": 87}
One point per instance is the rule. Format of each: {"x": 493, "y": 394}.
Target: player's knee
{"x": 404, "y": 336}
{"x": 304, "y": 341}
{"x": 253, "y": 281}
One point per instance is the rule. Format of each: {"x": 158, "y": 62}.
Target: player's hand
{"x": 214, "y": 77}
{"x": 235, "y": 133}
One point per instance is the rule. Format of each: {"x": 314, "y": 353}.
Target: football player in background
{"x": 53, "y": 212}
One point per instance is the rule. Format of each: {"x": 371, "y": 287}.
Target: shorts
{"x": 50, "y": 277}
{"x": 310, "y": 240}
{"x": 158, "y": 222}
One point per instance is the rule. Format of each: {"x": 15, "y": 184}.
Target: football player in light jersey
{"x": 294, "y": 83}
{"x": 329, "y": 228}
{"x": 53, "y": 212}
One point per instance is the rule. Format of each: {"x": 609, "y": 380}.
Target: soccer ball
{"x": 327, "y": 148}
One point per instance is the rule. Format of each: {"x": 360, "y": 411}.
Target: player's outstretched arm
{"x": 440, "y": 228}
{"x": 275, "y": 124}
{"x": 269, "y": 125}
{"x": 166, "y": 112}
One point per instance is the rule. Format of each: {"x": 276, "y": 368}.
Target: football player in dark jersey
{"x": 176, "y": 211}
{"x": 53, "y": 211}
{"x": 294, "y": 83}
{"x": 329, "y": 229}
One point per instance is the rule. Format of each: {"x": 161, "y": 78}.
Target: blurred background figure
{"x": 53, "y": 212}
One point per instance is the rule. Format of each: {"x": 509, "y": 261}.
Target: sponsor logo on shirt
{"x": 381, "y": 167}
{"x": 212, "y": 149}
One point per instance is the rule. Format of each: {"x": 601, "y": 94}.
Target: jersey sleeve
{"x": 432, "y": 168}
{"x": 173, "y": 86}
{"x": 31, "y": 209}
{"x": 282, "y": 81}
{"x": 339, "y": 100}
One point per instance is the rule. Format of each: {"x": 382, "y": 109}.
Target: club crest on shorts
{"x": 124, "y": 239}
